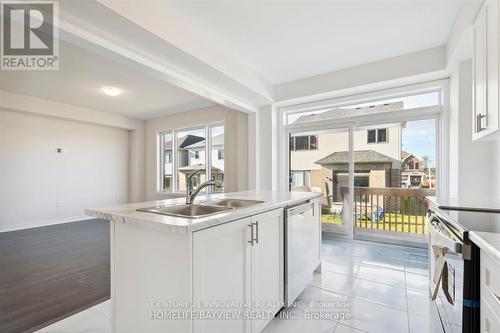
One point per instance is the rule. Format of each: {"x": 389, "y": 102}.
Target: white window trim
{"x": 440, "y": 113}
{"x": 174, "y": 156}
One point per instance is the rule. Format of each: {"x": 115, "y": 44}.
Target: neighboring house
{"x": 371, "y": 169}
{"x": 413, "y": 173}
{"x": 320, "y": 162}
{"x": 191, "y": 157}
{"x": 410, "y": 162}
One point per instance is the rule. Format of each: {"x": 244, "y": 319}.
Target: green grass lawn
{"x": 393, "y": 222}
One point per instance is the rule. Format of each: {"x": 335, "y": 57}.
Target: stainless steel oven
{"x": 452, "y": 275}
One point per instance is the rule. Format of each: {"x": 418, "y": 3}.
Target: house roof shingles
{"x": 360, "y": 156}
{"x": 343, "y": 112}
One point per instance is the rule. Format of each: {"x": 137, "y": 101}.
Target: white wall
{"x": 266, "y": 149}
{"x": 495, "y": 181}
{"x": 235, "y": 145}
{"x": 40, "y": 187}
{"x": 472, "y": 163}
{"x": 43, "y": 107}
{"x": 406, "y": 69}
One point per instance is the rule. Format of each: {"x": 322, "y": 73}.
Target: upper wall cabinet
{"x": 486, "y": 72}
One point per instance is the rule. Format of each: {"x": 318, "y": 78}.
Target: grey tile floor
{"x": 363, "y": 287}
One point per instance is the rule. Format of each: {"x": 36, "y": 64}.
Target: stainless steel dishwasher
{"x": 299, "y": 231}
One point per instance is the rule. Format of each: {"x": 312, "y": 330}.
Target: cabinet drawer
{"x": 490, "y": 281}
{"x": 489, "y": 320}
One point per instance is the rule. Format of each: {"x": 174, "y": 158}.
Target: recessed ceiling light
{"x": 112, "y": 91}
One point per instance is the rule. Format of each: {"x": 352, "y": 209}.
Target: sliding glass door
{"x": 394, "y": 169}
{"x": 320, "y": 162}
{"x": 373, "y": 163}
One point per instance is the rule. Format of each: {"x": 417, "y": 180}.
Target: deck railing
{"x": 390, "y": 209}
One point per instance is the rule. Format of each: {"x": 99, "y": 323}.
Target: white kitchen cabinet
{"x": 267, "y": 265}
{"x": 485, "y": 115}
{"x": 224, "y": 280}
{"x": 163, "y": 275}
{"x": 252, "y": 270}
{"x": 490, "y": 293}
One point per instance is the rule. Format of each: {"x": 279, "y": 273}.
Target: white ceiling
{"x": 81, "y": 75}
{"x": 289, "y": 40}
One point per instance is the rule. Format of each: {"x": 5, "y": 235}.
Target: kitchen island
{"x": 221, "y": 273}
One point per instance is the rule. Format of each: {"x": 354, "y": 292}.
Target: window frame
{"x": 160, "y": 159}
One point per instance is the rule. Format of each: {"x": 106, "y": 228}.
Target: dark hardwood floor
{"x": 49, "y": 273}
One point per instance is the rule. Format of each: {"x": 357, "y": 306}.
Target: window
{"x": 189, "y": 143}
{"x": 166, "y": 144}
{"x": 304, "y": 142}
{"x": 361, "y": 181}
{"x": 377, "y": 135}
{"x": 382, "y": 135}
{"x": 344, "y": 127}
{"x": 313, "y": 142}
{"x": 167, "y": 182}
{"x": 217, "y": 149}
{"x": 372, "y": 136}
{"x": 183, "y": 152}
{"x": 406, "y": 102}
{"x": 300, "y": 179}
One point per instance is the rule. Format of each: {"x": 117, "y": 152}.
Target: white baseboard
{"x": 44, "y": 223}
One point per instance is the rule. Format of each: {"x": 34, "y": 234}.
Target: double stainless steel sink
{"x": 201, "y": 209}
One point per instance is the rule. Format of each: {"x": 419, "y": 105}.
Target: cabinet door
{"x": 267, "y": 265}
{"x": 479, "y": 74}
{"x": 491, "y": 13}
{"x": 486, "y": 71}
{"x": 316, "y": 240}
{"x": 222, "y": 272}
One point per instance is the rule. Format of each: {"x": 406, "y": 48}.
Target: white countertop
{"x": 128, "y": 213}
{"x": 487, "y": 241}
{"x": 477, "y": 205}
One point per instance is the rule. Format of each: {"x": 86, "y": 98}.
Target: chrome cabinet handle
{"x": 256, "y": 232}
{"x": 251, "y": 234}
{"x": 479, "y": 122}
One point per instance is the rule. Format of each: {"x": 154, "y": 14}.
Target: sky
{"x": 419, "y": 138}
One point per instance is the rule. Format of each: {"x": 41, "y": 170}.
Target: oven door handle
{"x": 437, "y": 228}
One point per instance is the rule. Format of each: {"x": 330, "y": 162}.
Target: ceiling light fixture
{"x": 112, "y": 91}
